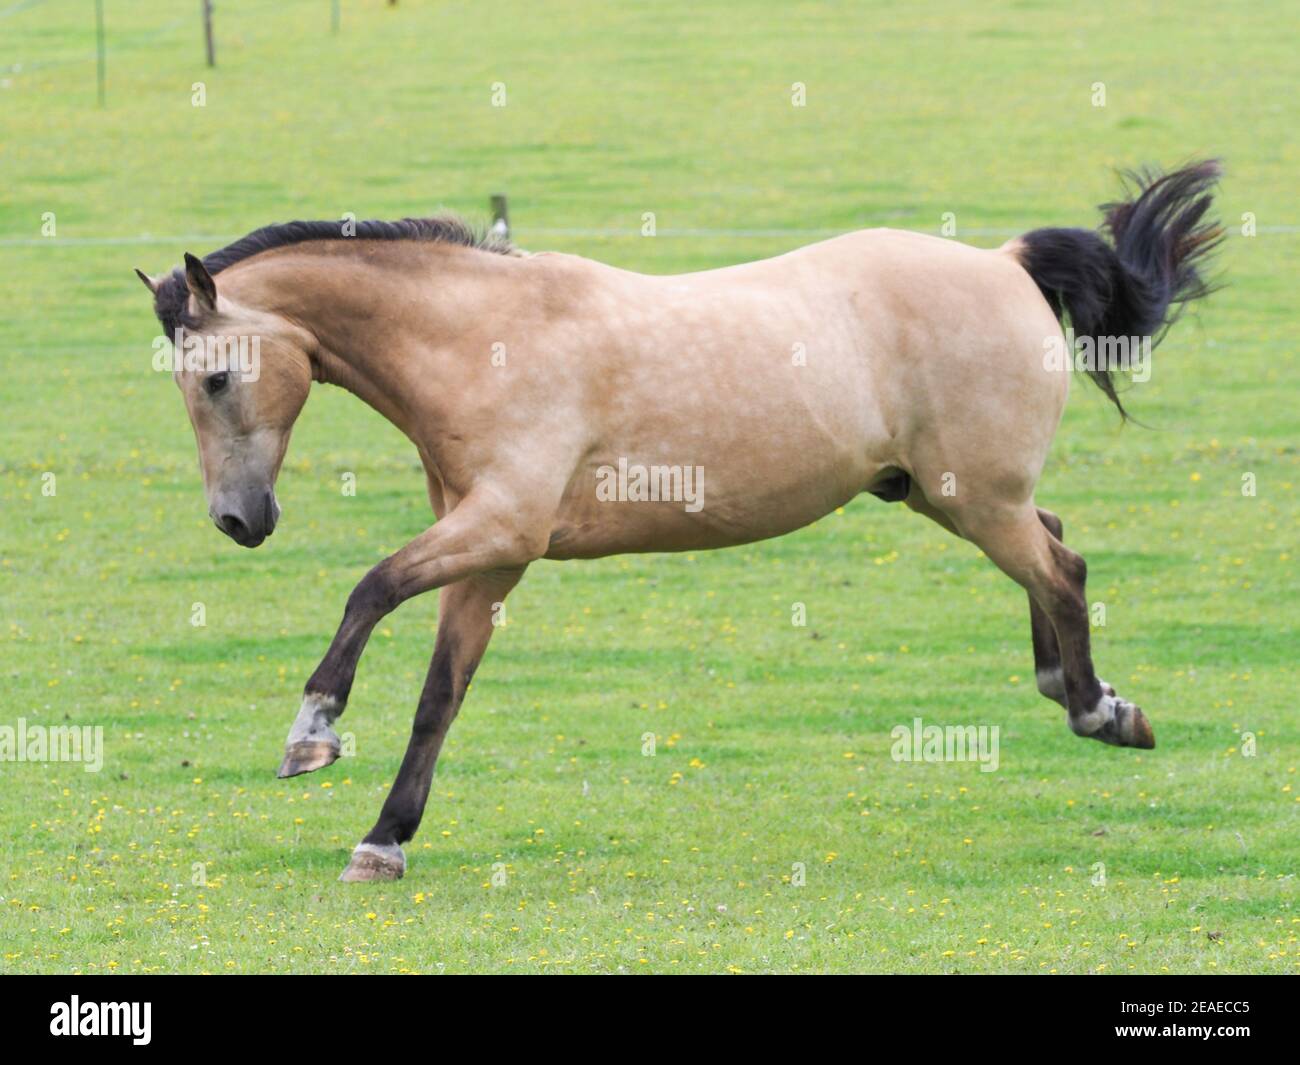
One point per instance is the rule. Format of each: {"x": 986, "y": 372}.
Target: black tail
{"x": 1136, "y": 285}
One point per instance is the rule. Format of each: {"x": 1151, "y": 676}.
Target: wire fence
{"x": 139, "y": 38}
{"x": 247, "y": 19}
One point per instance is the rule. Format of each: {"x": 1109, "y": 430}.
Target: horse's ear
{"x": 149, "y": 282}
{"x": 200, "y": 283}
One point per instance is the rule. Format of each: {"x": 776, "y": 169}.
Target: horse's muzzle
{"x": 248, "y": 525}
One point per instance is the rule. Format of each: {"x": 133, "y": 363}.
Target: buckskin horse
{"x": 889, "y": 362}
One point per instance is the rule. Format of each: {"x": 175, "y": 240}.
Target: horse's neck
{"x": 383, "y": 326}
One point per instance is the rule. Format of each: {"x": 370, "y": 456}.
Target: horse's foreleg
{"x": 471, "y": 538}
{"x": 1020, "y": 543}
{"x": 467, "y": 614}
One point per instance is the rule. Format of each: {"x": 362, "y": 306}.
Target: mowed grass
{"x": 551, "y": 842}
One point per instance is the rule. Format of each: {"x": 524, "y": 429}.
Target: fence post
{"x": 500, "y": 215}
{"x": 207, "y": 33}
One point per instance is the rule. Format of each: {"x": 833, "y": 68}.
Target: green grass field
{"x": 773, "y": 741}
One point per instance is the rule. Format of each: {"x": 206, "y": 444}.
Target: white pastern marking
{"x": 1101, "y": 714}
{"x": 1051, "y": 682}
{"x": 312, "y": 725}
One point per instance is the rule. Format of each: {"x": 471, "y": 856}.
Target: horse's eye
{"x": 216, "y": 382}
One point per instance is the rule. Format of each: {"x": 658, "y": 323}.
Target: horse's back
{"x": 937, "y": 328}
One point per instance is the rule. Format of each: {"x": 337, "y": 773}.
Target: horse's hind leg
{"x": 1019, "y": 542}
{"x": 1047, "y": 649}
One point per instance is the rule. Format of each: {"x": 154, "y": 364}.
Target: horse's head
{"x": 245, "y": 374}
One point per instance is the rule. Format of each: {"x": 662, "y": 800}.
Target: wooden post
{"x": 500, "y": 215}
{"x": 101, "y": 61}
{"x": 207, "y": 33}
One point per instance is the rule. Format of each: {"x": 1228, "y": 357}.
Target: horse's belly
{"x": 631, "y": 506}
{"x": 725, "y": 413}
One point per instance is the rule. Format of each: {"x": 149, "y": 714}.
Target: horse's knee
{"x": 374, "y": 596}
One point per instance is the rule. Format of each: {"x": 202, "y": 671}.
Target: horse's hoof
{"x": 1140, "y": 733}
{"x": 307, "y": 756}
{"x": 375, "y": 861}
{"x": 1116, "y": 721}
{"x": 312, "y": 743}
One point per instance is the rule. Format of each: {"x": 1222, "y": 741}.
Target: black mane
{"x": 171, "y": 301}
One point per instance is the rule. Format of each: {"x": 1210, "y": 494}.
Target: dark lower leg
{"x": 1047, "y": 651}
{"x": 467, "y": 611}
{"x": 1067, "y": 606}
{"x": 449, "y": 675}
{"x": 1095, "y": 710}
{"x": 368, "y": 604}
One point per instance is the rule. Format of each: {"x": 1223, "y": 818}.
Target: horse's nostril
{"x": 234, "y": 528}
